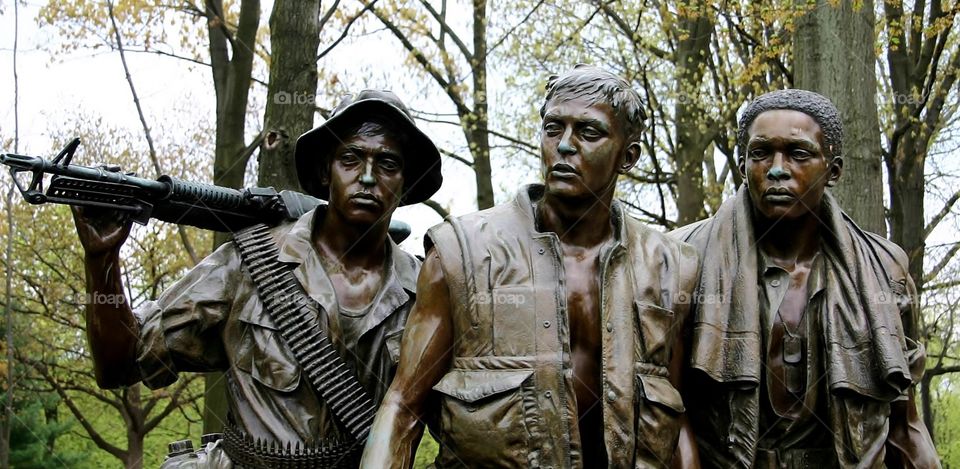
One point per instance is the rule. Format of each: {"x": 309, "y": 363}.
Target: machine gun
{"x": 167, "y": 199}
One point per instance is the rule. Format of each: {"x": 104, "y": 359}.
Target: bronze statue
{"x": 797, "y": 356}
{"x": 353, "y": 286}
{"x": 548, "y": 326}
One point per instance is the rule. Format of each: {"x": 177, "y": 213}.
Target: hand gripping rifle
{"x": 167, "y": 199}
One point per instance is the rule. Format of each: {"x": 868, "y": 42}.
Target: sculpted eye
{"x": 801, "y": 154}
{"x": 390, "y": 164}
{"x": 758, "y": 153}
{"x": 348, "y": 158}
{"x": 590, "y": 133}
{"x": 552, "y": 129}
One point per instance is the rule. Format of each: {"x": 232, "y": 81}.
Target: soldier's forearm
{"x": 112, "y": 330}
{"x": 394, "y": 437}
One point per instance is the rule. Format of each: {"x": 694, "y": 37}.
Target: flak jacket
{"x": 508, "y": 399}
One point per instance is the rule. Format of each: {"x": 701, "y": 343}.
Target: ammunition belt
{"x": 247, "y": 453}
{"x": 297, "y": 318}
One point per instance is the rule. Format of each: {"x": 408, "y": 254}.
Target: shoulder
{"x": 695, "y": 233}
{"x": 445, "y": 234}
{"x": 893, "y": 257}
{"x": 674, "y": 250}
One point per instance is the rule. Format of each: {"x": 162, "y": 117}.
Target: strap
{"x": 297, "y": 318}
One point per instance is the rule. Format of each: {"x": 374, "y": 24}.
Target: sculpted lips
{"x": 563, "y": 170}
{"x": 778, "y": 194}
{"x": 365, "y": 198}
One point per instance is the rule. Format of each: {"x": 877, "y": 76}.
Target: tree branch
{"x": 462, "y": 108}
{"x": 450, "y": 32}
{"x": 947, "y": 206}
{"x": 943, "y": 263}
{"x": 346, "y": 28}
{"x": 456, "y": 157}
{"x": 146, "y": 129}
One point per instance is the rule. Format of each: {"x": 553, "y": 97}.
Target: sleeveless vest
{"x": 508, "y": 399}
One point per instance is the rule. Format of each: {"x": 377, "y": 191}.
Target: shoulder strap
{"x": 297, "y": 318}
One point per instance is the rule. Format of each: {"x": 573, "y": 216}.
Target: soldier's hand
{"x": 101, "y": 231}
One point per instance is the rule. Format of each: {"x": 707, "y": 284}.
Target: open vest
{"x": 508, "y": 399}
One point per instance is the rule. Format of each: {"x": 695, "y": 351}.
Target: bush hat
{"x": 421, "y": 159}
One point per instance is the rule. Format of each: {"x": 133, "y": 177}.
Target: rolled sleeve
{"x": 182, "y": 330}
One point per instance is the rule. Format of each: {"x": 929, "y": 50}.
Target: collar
{"x": 766, "y": 268}
{"x": 296, "y": 247}
{"x": 530, "y": 194}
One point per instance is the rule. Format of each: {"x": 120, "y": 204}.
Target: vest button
{"x": 541, "y": 250}
{"x": 548, "y": 394}
{"x": 775, "y": 283}
{"x": 546, "y": 324}
{"x": 611, "y": 396}
{"x": 609, "y": 327}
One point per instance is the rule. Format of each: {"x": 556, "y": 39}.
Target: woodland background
{"x": 473, "y": 71}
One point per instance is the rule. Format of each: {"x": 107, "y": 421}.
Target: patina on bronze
{"x": 797, "y": 353}
{"x": 547, "y": 328}
{"x": 366, "y": 160}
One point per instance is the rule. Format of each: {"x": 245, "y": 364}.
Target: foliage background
{"x": 473, "y": 72}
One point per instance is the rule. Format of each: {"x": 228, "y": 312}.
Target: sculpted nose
{"x": 367, "y": 178}
{"x": 778, "y": 171}
{"x": 565, "y": 147}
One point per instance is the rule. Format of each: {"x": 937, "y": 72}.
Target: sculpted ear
{"x": 630, "y": 157}
{"x": 836, "y": 170}
{"x": 742, "y": 168}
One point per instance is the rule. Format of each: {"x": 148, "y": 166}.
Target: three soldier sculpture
{"x": 554, "y": 330}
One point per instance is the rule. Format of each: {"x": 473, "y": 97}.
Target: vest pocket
{"x": 658, "y": 417}
{"x": 482, "y": 418}
{"x": 656, "y": 330}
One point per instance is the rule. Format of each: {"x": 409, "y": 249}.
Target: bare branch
{"x": 346, "y": 28}
{"x": 944, "y": 261}
{"x": 947, "y": 206}
{"x": 456, "y": 157}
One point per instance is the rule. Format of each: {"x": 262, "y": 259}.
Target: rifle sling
{"x": 297, "y": 318}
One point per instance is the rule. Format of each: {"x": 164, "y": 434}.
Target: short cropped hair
{"x": 815, "y": 105}
{"x": 598, "y": 85}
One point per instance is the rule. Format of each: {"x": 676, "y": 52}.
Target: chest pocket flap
{"x": 659, "y": 389}
{"x": 263, "y": 353}
{"x": 474, "y": 385}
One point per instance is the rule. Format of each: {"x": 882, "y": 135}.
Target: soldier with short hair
{"x": 548, "y": 326}
{"x": 797, "y": 356}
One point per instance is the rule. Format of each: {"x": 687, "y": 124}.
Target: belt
{"x": 249, "y": 453}
{"x": 795, "y": 458}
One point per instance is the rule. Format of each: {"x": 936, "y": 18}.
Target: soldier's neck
{"x": 788, "y": 242}
{"x": 583, "y": 223}
{"x": 352, "y": 244}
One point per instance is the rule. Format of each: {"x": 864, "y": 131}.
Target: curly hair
{"x": 815, "y": 105}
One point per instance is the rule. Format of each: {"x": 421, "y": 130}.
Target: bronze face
{"x": 583, "y": 149}
{"x": 366, "y": 178}
{"x": 785, "y": 168}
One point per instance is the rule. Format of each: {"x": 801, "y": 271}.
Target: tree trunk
{"x": 691, "y": 54}
{"x": 231, "y": 82}
{"x": 925, "y": 405}
{"x": 135, "y": 430}
{"x": 294, "y": 40}
{"x": 834, "y": 56}
{"x": 475, "y": 124}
